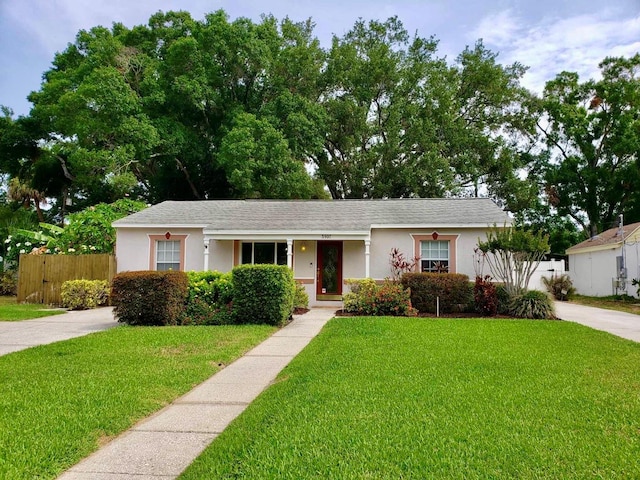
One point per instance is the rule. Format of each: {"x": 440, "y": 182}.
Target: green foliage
{"x": 300, "y": 297}
{"x": 90, "y": 230}
{"x": 8, "y": 282}
{"x": 453, "y": 290}
{"x": 441, "y": 399}
{"x": 101, "y": 385}
{"x": 513, "y": 254}
{"x": 561, "y": 287}
{"x": 11, "y": 311}
{"x": 531, "y": 304}
{"x": 404, "y": 122}
{"x": 636, "y": 282}
{"x": 209, "y": 297}
{"x": 503, "y": 298}
{"x": 592, "y": 133}
{"x": 368, "y": 298}
{"x": 485, "y": 296}
{"x": 263, "y": 294}
{"x": 149, "y": 297}
{"x": 84, "y": 294}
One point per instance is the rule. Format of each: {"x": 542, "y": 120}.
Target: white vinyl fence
{"x": 551, "y": 268}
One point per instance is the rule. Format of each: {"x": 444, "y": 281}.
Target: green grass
{"x": 391, "y": 398}
{"x": 59, "y": 402}
{"x": 613, "y": 302}
{"x": 10, "y": 311}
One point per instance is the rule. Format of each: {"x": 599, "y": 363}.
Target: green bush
{"x": 560, "y": 287}
{"x": 84, "y": 294}
{"x": 503, "y": 298}
{"x": 531, "y": 304}
{"x": 453, "y": 289}
{"x": 300, "y": 297}
{"x": 8, "y": 282}
{"x": 263, "y": 294}
{"x": 210, "y": 293}
{"x": 368, "y": 298}
{"x": 149, "y": 297}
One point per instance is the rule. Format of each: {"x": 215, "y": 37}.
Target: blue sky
{"x": 546, "y": 35}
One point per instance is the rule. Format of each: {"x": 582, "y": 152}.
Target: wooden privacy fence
{"x": 40, "y": 277}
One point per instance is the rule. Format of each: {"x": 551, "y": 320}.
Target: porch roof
{"x": 352, "y": 216}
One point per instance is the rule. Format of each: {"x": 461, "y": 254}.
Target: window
{"x": 434, "y": 255}
{"x": 264, "y": 252}
{"x": 167, "y": 255}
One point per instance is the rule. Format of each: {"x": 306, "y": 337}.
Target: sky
{"x": 548, "y": 36}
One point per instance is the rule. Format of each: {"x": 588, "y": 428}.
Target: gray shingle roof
{"x": 316, "y": 215}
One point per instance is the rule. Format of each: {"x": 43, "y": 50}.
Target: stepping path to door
{"x": 163, "y": 445}
{"x": 15, "y": 336}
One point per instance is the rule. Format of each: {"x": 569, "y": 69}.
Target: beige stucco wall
{"x": 382, "y": 241}
{"x": 592, "y": 273}
{"x": 221, "y": 255}
{"x": 133, "y": 247}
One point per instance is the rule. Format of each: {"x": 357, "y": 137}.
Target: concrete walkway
{"x": 163, "y": 445}
{"x": 16, "y": 336}
{"x": 622, "y": 324}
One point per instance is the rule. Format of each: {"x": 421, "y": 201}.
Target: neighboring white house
{"x": 606, "y": 264}
{"x": 323, "y": 241}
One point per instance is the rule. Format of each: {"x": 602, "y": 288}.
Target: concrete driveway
{"x": 16, "y": 336}
{"x": 625, "y": 325}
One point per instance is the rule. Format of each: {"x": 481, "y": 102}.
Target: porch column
{"x": 290, "y": 253}
{"x": 206, "y": 254}
{"x": 367, "y": 258}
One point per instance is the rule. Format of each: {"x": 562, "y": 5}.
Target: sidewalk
{"x": 163, "y": 445}
{"x": 15, "y": 336}
{"x": 622, "y": 324}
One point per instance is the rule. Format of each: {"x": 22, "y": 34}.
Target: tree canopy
{"x": 592, "y": 132}
{"x": 213, "y": 108}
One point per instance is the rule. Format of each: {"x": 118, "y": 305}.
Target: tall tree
{"x": 405, "y": 123}
{"x": 157, "y": 110}
{"x": 592, "y": 131}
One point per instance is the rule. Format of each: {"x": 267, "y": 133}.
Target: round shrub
{"x": 531, "y": 304}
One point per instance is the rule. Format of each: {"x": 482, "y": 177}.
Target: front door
{"x": 329, "y": 274}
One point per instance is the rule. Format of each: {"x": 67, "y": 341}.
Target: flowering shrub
{"x": 485, "y": 296}
{"x": 368, "y": 298}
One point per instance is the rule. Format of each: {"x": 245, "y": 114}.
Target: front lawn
{"x": 10, "y": 311}
{"x": 390, "y": 398}
{"x": 59, "y": 402}
{"x": 620, "y": 303}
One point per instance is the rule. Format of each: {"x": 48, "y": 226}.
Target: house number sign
{"x": 326, "y": 235}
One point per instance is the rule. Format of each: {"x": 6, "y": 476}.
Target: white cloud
{"x": 552, "y": 45}
{"x": 497, "y": 29}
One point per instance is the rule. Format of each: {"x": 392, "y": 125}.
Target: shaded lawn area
{"x": 10, "y": 311}
{"x": 391, "y": 398}
{"x": 59, "y": 402}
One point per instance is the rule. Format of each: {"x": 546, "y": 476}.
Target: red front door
{"x": 329, "y": 274}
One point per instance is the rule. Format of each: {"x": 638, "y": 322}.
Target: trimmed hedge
{"x": 263, "y": 294}
{"x": 149, "y": 297}
{"x": 84, "y": 294}
{"x": 454, "y": 290}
